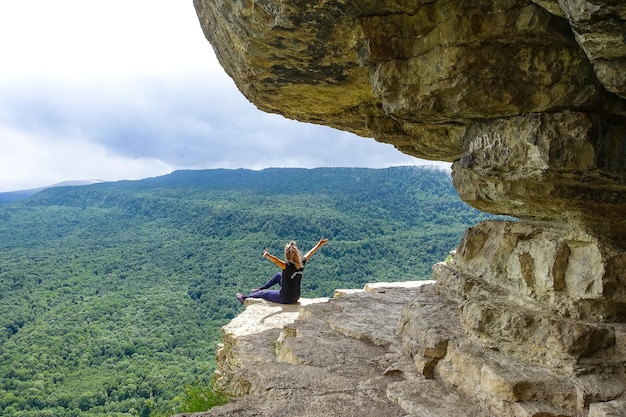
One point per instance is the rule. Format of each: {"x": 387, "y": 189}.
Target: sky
{"x": 130, "y": 89}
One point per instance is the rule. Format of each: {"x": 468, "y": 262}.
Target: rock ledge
{"x": 321, "y": 357}
{"x": 392, "y": 350}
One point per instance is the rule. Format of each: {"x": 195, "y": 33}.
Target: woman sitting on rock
{"x": 288, "y": 279}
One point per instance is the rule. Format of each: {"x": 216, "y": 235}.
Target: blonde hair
{"x": 292, "y": 254}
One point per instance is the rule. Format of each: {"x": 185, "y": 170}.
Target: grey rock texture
{"x": 338, "y": 357}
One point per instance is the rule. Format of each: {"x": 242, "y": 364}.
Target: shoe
{"x": 240, "y": 297}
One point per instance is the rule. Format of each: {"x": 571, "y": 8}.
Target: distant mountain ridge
{"x": 225, "y": 177}
{"x": 9, "y": 196}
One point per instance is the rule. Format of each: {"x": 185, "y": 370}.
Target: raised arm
{"x": 279, "y": 262}
{"x": 314, "y": 249}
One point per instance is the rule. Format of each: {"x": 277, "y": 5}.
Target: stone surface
{"x": 294, "y": 360}
{"x": 418, "y": 73}
{"x": 528, "y": 100}
{"x": 280, "y": 364}
{"x": 485, "y": 358}
{"x": 608, "y": 409}
{"x": 565, "y": 167}
{"x": 428, "y": 398}
{"x": 599, "y": 29}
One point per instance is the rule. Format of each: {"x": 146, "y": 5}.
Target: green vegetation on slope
{"x": 112, "y": 295}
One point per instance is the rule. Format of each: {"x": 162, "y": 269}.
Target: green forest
{"x": 112, "y": 295}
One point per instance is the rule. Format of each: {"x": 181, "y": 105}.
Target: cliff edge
{"x": 339, "y": 357}
{"x": 400, "y": 350}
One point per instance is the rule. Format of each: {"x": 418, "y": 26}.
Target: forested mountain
{"x": 112, "y": 295}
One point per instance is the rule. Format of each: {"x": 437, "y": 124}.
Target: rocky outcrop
{"x": 338, "y": 357}
{"x": 549, "y": 313}
{"x": 417, "y": 73}
{"x": 563, "y": 169}
{"x": 375, "y": 352}
{"x": 528, "y": 100}
{"x": 599, "y": 30}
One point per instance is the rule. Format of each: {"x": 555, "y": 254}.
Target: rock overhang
{"x": 500, "y": 87}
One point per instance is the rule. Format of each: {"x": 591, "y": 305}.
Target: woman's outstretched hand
{"x": 265, "y": 252}
{"x": 323, "y": 241}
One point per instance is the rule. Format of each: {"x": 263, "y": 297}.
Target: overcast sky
{"x": 129, "y": 89}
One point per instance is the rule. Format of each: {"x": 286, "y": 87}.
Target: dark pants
{"x": 270, "y": 295}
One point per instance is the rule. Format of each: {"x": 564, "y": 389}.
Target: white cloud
{"x": 92, "y": 38}
{"x": 28, "y": 161}
{"x": 123, "y": 89}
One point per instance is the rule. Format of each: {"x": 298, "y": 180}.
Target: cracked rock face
{"x": 309, "y": 360}
{"x": 564, "y": 168}
{"x": 527, "y": 98}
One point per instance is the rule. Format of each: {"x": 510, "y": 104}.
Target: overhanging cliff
{"x": 528, "y": 100}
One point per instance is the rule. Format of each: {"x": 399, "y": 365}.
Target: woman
{"x": 288, "y": 279}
